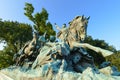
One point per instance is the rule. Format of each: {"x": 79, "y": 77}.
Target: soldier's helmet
{"x": 64, "y": 25}
{"x": 41, "y": 39}
{"x": 52, "y": 38}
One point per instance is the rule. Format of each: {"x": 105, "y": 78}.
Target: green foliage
{"x": 6, "y": 57}
{"x": 98, "y": 58}
{"x": 14, "y": 35}
{"x": 40, "y": 20}
{"x": 29, "y": 10}
{"x": 114, "y": 59}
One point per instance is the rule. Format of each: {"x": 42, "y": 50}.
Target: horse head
{"x": 78, "y": 27}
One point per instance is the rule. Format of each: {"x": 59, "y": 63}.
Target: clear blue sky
{"x": 104, "y": 22}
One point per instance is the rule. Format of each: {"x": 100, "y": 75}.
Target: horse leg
{"x": 96, "y": 49}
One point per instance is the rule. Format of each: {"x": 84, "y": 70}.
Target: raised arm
{"x": 57, "y": 27}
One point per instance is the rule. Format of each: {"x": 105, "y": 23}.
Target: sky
{"x": 104, "y": 22}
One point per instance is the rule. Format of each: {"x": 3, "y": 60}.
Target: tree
{"x": 6, "y": 57}
{"x": 15, "y": 35}
{"x": 40, "y": 20}
{"x": 114, "y": 59}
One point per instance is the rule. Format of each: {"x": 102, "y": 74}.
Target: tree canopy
{"x": 14, "y": 35}
{"x": 40, "y": 20}
{"x": 114, "y": 59}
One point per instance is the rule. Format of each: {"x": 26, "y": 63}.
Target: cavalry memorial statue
{"x": 66, "y": 59}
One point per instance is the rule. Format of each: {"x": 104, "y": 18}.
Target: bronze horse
{"x": 76, "y": 32}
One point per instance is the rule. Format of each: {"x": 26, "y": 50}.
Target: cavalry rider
{"x": 63, "y": 32}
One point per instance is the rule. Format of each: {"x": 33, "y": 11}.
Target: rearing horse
{"x": 76, "y": 33}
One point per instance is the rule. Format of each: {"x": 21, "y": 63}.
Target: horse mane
{"x": 77, "y": 20}
{"x": 75, "y": 27}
